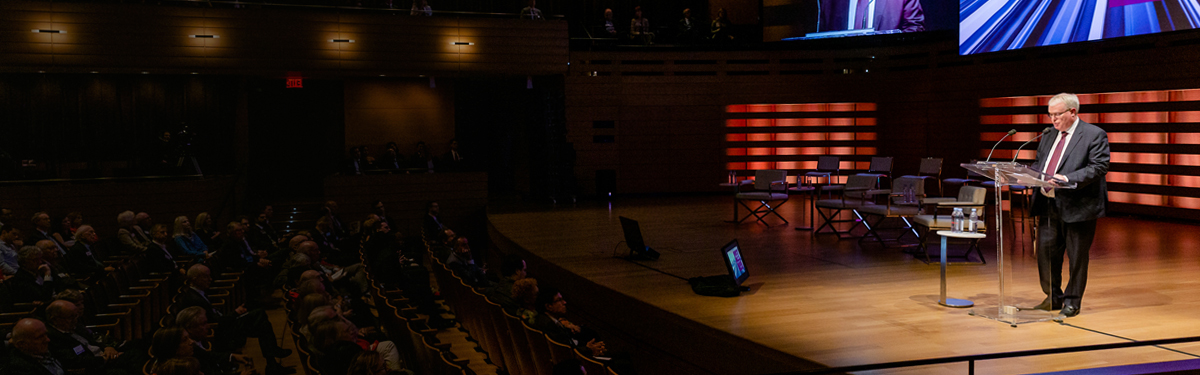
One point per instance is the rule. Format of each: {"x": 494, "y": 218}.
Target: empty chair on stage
{"x": 770, "y": 191}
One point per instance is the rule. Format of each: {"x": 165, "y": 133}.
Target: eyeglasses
{"x": 1057, "y": 115}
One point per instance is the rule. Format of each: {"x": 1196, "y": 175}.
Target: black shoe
{"x": 278, "y": 353}
{"x": 278, "y": 369}
{"x": 1070, "y": 311}
{"x": 1046, "y": 305}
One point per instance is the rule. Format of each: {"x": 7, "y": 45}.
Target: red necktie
{"x": 1052, "y": 168}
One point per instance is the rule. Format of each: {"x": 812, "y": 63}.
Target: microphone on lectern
{"x": 1010, "y": 133}
{"x": 1018, "y": 153}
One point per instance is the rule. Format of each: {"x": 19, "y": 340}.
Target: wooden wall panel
{"x": 134, "y": 37}
{"x": 402, "y": 111}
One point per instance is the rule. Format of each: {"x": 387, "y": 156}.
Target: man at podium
{"x": 1077, "y": 152}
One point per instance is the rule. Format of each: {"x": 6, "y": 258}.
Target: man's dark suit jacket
{"x": 19, "y": 363}
{"x": 157, "y": 259}
{"x": 83, "y": 262}
{"x": 36, "y": 235}
{"x": 1085, "y": 161}
{"x": 62, "y": 347}
{"x": 903, "y": 15}
{"x": 23, "y": 288}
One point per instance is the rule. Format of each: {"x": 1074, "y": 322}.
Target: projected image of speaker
{"x": 633, "y": 238}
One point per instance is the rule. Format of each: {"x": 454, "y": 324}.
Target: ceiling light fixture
{"x": 463, "y": 43}
{"x": 342, "y": 40}
{"x": 205, "y": 36}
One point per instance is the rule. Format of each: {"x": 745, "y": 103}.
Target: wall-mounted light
{"x": 463, "y": 43}
{"x": 205, "y": 36}
{"x": 94, "y": 72}
{"x": 342, "y": 40}
{"x": 48, "y": 31}
{"x": 145, "y": 72}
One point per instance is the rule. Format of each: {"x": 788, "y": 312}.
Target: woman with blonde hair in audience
{"x": 188, "y": 241}
{"x": 524, "y": 293}
{"x": 203, "y": 228}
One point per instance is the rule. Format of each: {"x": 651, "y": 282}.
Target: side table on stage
{"x": 734, "y": 185}
{"x": 1006, "y": 174}
{"x": 946, "y": 234}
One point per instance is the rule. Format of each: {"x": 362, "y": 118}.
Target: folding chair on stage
{"x": 931, "y": 169}
{"x": 900, "y": 204}
{"x": 968, "y": 197}
{"x": 854, "y": 195}
{"x": 881, "y": 169}
{"x": 770, "y": 186}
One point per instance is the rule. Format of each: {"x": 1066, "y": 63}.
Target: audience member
{"x": 34, "y": 281}
{"x": 422, "y": 159}
{"x": 719, "y": 28}
{"x": 62, "y": 276}
{"x": 260, "y": 234}
{"x": 129, "y": 234}
{"x": 452, "y": 160}
{"x": 64, "y": 232}
{"x": 335, "y": 345}
{"x": 639, "y": 27}
{"x": 391, "y": 159}
{"x": 380, "y": 211}
{"x": 194, "y": 320}
{"x": 531, "y": 12}
{"x": 338, "y": 227}
{"x": 367, "y": 363}
{"x": 430, "y": 222}
{"x": 354, "y": 162}
{"x": 8, "y": 251}
{"x": 167, "y": 344}
{"x": 686, "y": 28}
{"x": 75, "y": 345}
{"x": 421, "y": 8}
{"x": 234, "y": 327}
{"x": 551, "y": 319}
{"x": 82, "y": 260}
{"x": 157, "y": 257}
{"x": 610, "y": 26}
{"x": 188, "y": 241}
{"x": 524, "y": 293}
{"x": 41, "y": 231}
{"x": 183, "y": 366}
{"x": 31, "y": 354}
{"x": 144, "y": 222}
{"x": 462, "y": 263}
{"x": 204, "y": 228}
{"x": 512, "y": 270}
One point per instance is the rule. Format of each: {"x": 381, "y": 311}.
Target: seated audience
{"x": 338, "y": 228}
{"x": 551, "y": 319}
{"x": 167, "y": 344}
{"x": 64, "y": 232}
{"x": 524, "y": 294}
{"x": 421, "y": 8}
{"x": 41, "y": 231}
{"x": 212, "y": 362}
{"x": 203, "y": 227}
{"x": 82, "y": 260}
{"x": 30, "y": 352}
{"x": 34, "y": 281}
{"x": 62, "y": 277}
{"x": 130, "y": 234}
{"x": 335, "y": 345}
{"x": 144, "y": 222}
{"x": 512, "y": 270}
{"x": 422, "y": 159}
{"x": 157, "y": 257}
{"x": 182, "y": 366}
{"x": 719, "y": 28}
{"x": 462, "y": 263}
{"x": 188, "y": 241}
{"x": 234, "y": 327}
{"x": 687, "y": 28}
{"x": 8, "y": 251}
{"x": 452, "y": 160}
{"x": 639, "y": 27}
{"x": 610, "y": 26}
{"x": 430, "y": 221}
{"x": 74, "y": 345}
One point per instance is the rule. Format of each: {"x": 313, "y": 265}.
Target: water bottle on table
{"x": 956, "y": 221}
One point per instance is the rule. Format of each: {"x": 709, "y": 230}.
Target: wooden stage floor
{"x": 839, "y": 303}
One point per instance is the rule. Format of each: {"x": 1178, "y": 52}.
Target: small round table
{"x": 954, "y": 302}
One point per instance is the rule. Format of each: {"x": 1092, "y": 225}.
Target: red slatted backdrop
{"x": 792, "y": 136}
{"x": 1154, "y": 137}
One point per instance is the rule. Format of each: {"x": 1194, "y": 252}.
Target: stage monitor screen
{"x": 998, "y": 25}
{"x": 733, "y": 262}
{"x": 787, "y": 20}
{"x": 633, "y": 234}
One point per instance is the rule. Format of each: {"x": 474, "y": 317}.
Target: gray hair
{"x": 27, "y": 253}
{"x": 188, "y": 317}
{"x": 58, "y": 308}
{"x": 126, "y": 218}
{"x": 1069, "y": 100}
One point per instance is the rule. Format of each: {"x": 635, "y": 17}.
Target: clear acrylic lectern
{"x": 1006, "y": 309}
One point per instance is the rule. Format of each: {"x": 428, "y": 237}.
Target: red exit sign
{"x": 295, "y": 83}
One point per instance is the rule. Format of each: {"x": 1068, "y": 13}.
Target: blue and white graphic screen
{"x": 998, "y": 25}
